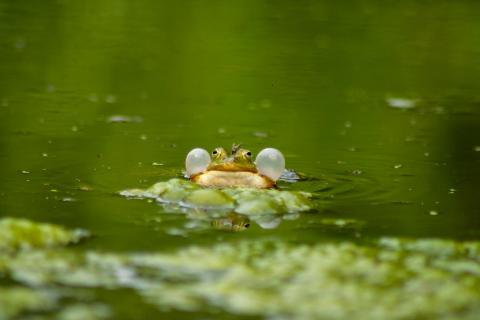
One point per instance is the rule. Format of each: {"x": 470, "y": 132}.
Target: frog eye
{"x": 248, "y": 154}
{"x": 271, "y": 163}
{"x": 197, "y": 161}
{"x": 218, "y": 153}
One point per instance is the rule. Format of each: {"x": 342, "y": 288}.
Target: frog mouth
{"x": 231, "y": 166}
{"x": 226, "y": 179}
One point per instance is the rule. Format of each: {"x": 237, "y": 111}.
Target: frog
{"x": 230, "y": 188}
{"x": 220, "y": 169}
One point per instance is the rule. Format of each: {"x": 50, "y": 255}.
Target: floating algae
{"x": 16, "y": 234}
{"x": 247, "y": 201}
{"x": 17, "y": 300}
{"x": 20, "y": 236}
{"x": 332, "y": 281}
{"x": 82, "y": 311}
{"x": 389, "y": 279}
{"x": 209, "y": 199}
{"x": 185, "y": 196}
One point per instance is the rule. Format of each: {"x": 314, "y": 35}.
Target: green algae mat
{"x": 388, "y": 278}
{"x": 229, "y": 208}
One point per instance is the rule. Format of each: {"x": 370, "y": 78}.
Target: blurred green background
{"x": 379, "y": 98}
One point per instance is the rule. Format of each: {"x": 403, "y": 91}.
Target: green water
{"x": 327, "y": 83}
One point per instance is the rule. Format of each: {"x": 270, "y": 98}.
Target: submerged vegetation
{"x": 389, "y": 278}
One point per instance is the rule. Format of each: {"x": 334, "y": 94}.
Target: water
{"x": 377, "y": 103}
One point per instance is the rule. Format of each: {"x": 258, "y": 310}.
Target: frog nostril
{"x": 249, "y": 154}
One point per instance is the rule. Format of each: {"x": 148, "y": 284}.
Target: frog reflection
{"x": 231, "y": 222}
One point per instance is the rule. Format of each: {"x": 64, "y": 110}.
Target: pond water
{"x": 375, "y": 103}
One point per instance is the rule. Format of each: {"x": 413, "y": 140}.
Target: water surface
{"x": 376, "y": 103}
